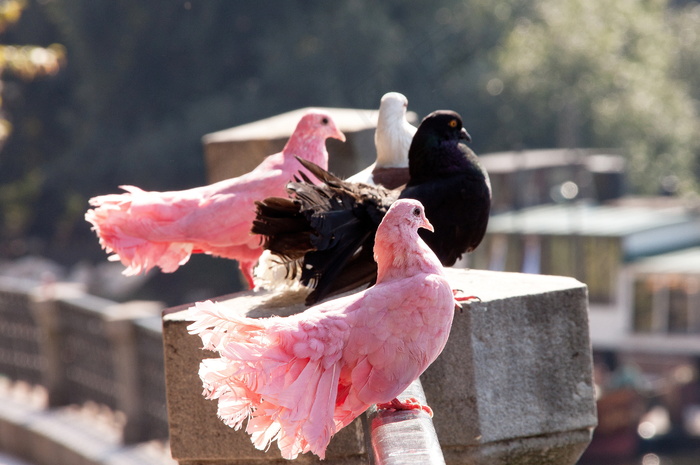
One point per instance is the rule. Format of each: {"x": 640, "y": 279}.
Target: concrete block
{"x": 236, "y": 151}
{"x": 513, "y": 386}
{"x": 515, "y": 378}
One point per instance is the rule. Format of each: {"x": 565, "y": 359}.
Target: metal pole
{"x": 404, "y": 437}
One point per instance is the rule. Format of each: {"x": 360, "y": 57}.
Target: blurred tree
{"x": 145, "y": 80}
{"x": 25, "y": 62}
{"x": 20, "y": 181}
{"x": 686, "y": 26}
{"x": 600, "y": 74}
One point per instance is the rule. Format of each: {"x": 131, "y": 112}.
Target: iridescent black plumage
{"x": 447, "y": 178}
{"x": 331, "y": 226}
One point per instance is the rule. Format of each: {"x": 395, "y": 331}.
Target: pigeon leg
{"x": 410, "y": 403}
{"x": 247, "y": 271}
{"x": 463, "y": 298}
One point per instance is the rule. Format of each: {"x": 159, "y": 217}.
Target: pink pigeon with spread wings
{"x": 300, "y": 379}
{"x": 162, "y": 229}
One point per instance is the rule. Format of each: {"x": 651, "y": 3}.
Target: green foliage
{"x": 24, "y": 61}
{"x": 686, "y": 26}
{"x": 601, "y": 74}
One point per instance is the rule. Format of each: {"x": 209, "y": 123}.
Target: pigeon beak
{"x": 339, "y": 135}
{"x": 464, "y": 135}
{"x": 427, "y": 225}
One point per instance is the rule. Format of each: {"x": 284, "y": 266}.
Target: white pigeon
{"x": 392, "y": 140}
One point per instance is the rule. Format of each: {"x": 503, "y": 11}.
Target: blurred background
{"x": 96, "y": 93}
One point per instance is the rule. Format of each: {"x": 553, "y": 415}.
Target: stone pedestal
{"x": 513, "y": 385}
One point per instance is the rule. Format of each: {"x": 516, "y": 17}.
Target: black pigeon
{"x": 331, "y": 226}
{"x": 447, "y": 178}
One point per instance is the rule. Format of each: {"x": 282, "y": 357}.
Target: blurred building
{"x": 526, "y": 178}
{"x": 564, "y": 212}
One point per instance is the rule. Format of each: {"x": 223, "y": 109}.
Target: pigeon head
{"x": 393, "y": 105}
{"x": 398, "y": 248}
{"x": 320, "y": 124}
{"x": 408, "y": 212}
{"x": 446, "y": 125}
{"x": 439, "y": 147}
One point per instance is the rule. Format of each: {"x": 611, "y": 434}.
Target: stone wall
{"x": 81, "y": 378}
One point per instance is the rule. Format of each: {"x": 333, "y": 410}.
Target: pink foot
{"x": 408, "y": 404}
{"x": 463, "y": 298}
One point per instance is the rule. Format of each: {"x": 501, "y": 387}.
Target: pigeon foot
{"x": 410, "y": 403}
{"x": 463, "y": 298}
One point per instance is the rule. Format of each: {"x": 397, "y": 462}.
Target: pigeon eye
{"x": 453, "y": 123}
{"x": 324, "y": 120}
{"x": 416, "y": 211}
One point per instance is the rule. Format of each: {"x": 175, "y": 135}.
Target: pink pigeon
{"x": 300, "y": 379}
{"x": 148, "y": 229}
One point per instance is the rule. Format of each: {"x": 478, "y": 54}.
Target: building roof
{"x": 643, "y": 230}
{"x": 588, "y": 219}
{"x": 282, "y": 125}
{"x": 523, "y": 160}
{"x": 686, "y": 261}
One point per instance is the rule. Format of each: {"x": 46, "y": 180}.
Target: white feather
{"x": 392, "y": 139}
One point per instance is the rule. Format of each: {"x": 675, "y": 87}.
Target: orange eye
{"x": 453, "y": 123}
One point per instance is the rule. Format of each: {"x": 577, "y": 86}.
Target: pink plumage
{"x": 300, "y": 379}
{"x": 162, "y": 229}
